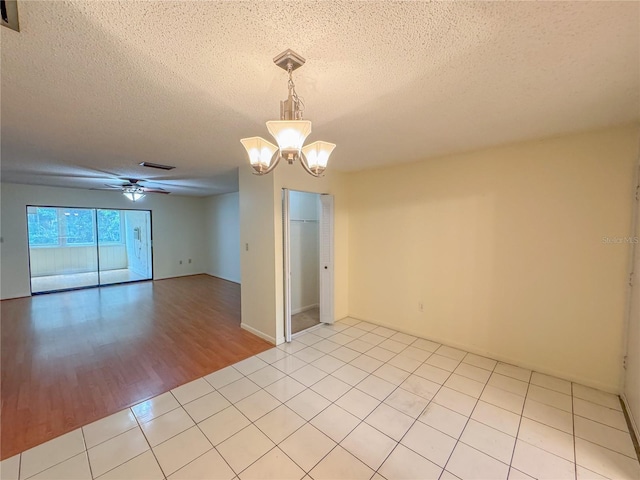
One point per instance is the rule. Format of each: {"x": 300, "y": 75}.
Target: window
{"x": 60, "y": 227}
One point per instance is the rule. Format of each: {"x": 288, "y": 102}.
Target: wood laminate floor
{"x": 74, "y": 357}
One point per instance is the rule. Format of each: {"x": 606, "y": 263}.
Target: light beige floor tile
{"x": 606, "y": 462}
{"x": 478, "y": 361}
{"x": 166, "y": 426}
{"x": 554, "y": 417}
{"x": 335, "y": 422}
{"x": 541, "y": 464}
{"x": 584, "y": 474}
{"x": 193, "y": 390}
{"x": 415, "y": 353}
{"x": 430, "y": 443}
{"x": 349, "y": 321}
{"x": 280, "y": 423}
{"x": 547, "y": 438}
{"x": 308, "y": 338}
{"x": 341, "y": 339}
{"x": 359, "y": 345}
{"x": 464, "y": 385}
{"x": 331, "y": 388}
{"x": 75, "y": 468}
{"x": 451, "y": 352}
{"x": 308, "y": 375}
{"x": 384, "y": 331}
{"x": 367, "y": 326}
{"x": 474, "y": 373}
{"x": 308, "y": 355}
{"x": 257, "y": 405}
{"x": 10, "y": 468}
{"x": 550, "y": 397}
{"x": 488, "y": 440}
{"x": 513, "y": 371}
{"x": 456, "y": 401}
{"x": 354, "y": 332}
{"x": 407, "y": 402}
{"x": 155, "y": 407}
{"x": 372, "y": 338}
{"x": 445, "y": 363}
{"x": 470, "y": 464}
{"x": 289, "y": 364}
{"x": 390, "y": 421}
{"x": 369, "y": 445}
{"x": 503, "y": 399}
{"x": 118, "y": 450}
{"x": 608, "y": 416}
{"x": 366, "y": 363}
{"x": 518, "y": 475}
{"x": 551, "y": 383}
{"x": 403, "y": 338}
{"x": 434, "y": 374}
{"x": 223, "y": 424}
{"x": 443, "y": 419}
{"x": 448, "y": 476}
{"x": 109, "y": 427}
{"x": 596, "y": 396}
{"x": 285, "y": 388}
{"x": 178, "y": 451}
{"x": 376, "y": 387}
{"x": 266, "y": 376}
{"x": 405, "y": 464}
{"x": 391, "y": 374}
{"x": 357, "y": 403}
{"x": 605, "y": 436}
{"x": 272, "y": 355}
{"x": 328, "y": 364}
{"x": 210, "y": 466}
{"x": 275, "y": 465}
{"x": 204, "y": 407}
{"x": 341, "y": 465}
{"x": 308, "y": 404}
{"x": 249, "y": 365}
{"x": 420, "y": 386}
{"x": 245, "y": 447}
{"x": 292, "y": 347}
{"x": 392, "y": 345}
{"x": 223, "y": 377}
{"x": 381, "y": 354}
{"x": 236, "y": 391}
{"x": 142, "y": 467}
{"x": 405, "y": 363}
{"x": 345, "y": 354}
{"x": 307, "y": 446}
{"x": 51, "y": 453}
{"x": 496, "y": 417}
{"x": 425, "y": 344}
{"x": 350, "y": 374}
{"x": 509, "y": 384}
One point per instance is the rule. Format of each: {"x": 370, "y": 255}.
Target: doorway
{"x": 308, "y": 260}
{"x": 72, "y": 248}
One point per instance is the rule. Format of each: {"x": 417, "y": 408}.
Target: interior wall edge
{"x": 610, "y": 388}
{"x": 258, "y": 333}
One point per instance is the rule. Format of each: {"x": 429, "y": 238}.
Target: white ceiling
{"x": 90, "y": 87}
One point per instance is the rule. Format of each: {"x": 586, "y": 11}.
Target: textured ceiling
{"x": 93, "y": 87}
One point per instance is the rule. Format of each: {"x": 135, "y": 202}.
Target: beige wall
{"x": 222, "y": 224}
{"x": 504, "y": 248}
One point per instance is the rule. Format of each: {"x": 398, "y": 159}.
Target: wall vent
{"x": 9, "y": 13}
{"x": 156, "y": 165}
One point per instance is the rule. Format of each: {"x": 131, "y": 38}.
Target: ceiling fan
{"x": 133, "y": 190}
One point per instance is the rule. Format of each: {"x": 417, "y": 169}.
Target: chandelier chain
{"x": 299, "y": 101}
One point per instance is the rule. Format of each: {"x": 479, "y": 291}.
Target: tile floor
{"x": 352, "y": 401}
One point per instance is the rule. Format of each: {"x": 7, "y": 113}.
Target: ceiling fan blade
{"x": 154, "y": 190}
{"x": 119, "y": 187}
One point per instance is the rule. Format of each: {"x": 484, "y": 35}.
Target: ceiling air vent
{"x": 9, "y": 11}
{"x": 156, "y": 165}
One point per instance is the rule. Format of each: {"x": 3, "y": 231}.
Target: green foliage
{"x": 50, "y": 226}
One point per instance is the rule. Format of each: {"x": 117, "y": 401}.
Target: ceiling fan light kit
{"x": 290, "y": 132}
{"x": 133, "y": 193}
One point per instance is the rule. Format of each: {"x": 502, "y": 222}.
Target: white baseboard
{"x": 634, "y": 423}
{"x": 304, "y": 309}
{"x": 260, "y": 334}
{"x": 501, "y": 358}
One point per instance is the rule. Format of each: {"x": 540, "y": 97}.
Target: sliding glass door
{"x": 73, "y": 248}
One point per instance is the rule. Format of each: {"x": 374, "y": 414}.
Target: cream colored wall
{"x": 504, "y": 248}
{"x": 223, "y": 236}
{"x": 177, "y": 225}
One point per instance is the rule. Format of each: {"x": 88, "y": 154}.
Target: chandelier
{"x": 133, "y": 192}
{"x": 290, "y": 132}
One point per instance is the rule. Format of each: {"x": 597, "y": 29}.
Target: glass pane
{"x": 42, "y": 224}
{"x": 109, "y": 226}
{"x": 80, "y": 226}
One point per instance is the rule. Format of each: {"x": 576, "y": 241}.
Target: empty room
{"x": 319, "y": 240}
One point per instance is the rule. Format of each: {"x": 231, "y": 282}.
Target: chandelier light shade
{"x": 290, "y": 132}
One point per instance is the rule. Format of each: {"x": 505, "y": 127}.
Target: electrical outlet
{"x": 189, "y": 260}
{"x": 180, "y": 262}
{"x": 420, "y": 307}
{"x": 246, "y": 247}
